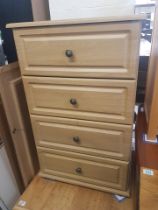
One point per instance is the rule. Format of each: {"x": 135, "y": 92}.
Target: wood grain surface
{"x": 77, "y": 21}
{"x": 151, "y": 96}
{"x": 93, "y": 138}
{"x": 100, "y": 76}
{"x": 105, "y": 50}
{"x": 43, "y": 194}
{"x": 146, "y": 153}
{"x": 97, "y": 100}
{"x": 148, "y": 190}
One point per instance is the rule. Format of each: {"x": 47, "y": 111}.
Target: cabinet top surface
{"x": 76, "y": 21}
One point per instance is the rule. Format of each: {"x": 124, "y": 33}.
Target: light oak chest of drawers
{"x": 80, "y": 83}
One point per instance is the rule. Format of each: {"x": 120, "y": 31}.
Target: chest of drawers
{"x": 80, "y": 83}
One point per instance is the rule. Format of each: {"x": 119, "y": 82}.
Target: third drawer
{"x": 93, "y": 138}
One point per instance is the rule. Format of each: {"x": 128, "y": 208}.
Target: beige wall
{"x": 66, "y": 9}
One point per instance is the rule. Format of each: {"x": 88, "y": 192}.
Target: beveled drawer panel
{"x": 100, "y": 139}
{"x": 99, "y": 100}
{"x": 88, "y": 169}
{"x": 99, "y": 50}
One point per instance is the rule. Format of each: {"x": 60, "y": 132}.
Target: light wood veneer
{"x": 80, "y": 81}
{"x": 97, "y": 100}
{"x": 99, "y": 50}
{"x": 151, "y": 96}
{"x": 45, "y": 194}
{"x": 93, "y": 138}
{"x": 76, "y": 168}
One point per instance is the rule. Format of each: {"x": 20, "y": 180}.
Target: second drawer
{"x": 94, "y": 138}
{"x": 88, "y": 99}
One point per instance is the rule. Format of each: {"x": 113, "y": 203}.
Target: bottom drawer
{"x": 98, "y": 173}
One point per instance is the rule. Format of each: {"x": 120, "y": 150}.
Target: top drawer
{"x": 99, "y": 50}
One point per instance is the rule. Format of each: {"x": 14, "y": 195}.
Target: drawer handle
{"x": 76, "y": 139}
{"x": 14, "y": 131}
{"x": 78, "y": 170}
{"x": 73, "y": 101}
{"x": 69, "y": 53}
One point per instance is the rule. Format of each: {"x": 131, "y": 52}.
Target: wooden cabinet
{"x": 6, "y": 140}
{"x": 147, "y": 167}
{"x": 151, "y": 95}
{"x": 80, "y": 82}
{"x": 14, "y": 103}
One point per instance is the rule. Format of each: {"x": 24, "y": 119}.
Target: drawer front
{"x": 100, "y": 139}
{"x": 108, "y": 173}
{"x": 99, "y": 100}
{"x": 106, "y": 50}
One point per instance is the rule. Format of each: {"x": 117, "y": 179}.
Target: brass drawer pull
{"x": 73, "y": 101}
{"x": 69, "y": 53}
{"x": 78, "y": 170}
{"x": 76, "y": 139}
